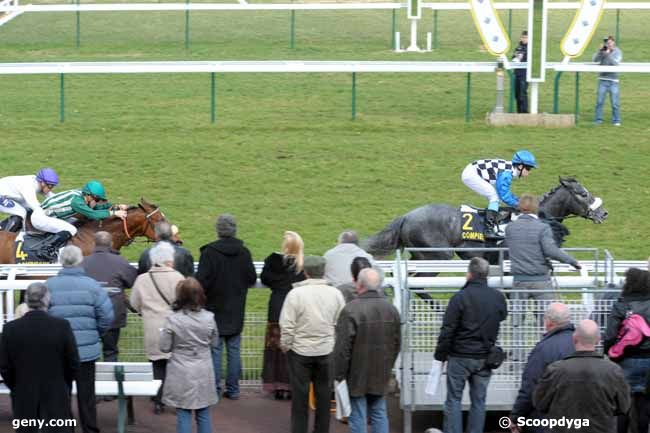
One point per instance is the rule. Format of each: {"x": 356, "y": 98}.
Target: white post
{"x": 534, "y": 93}
{"x": 398, "y": 43}
{"x": 429, "y": 45}
{"x": 414, "y": 36}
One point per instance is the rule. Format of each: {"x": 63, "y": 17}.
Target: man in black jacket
{"x": 226, "y": 271}
{"x": 367, "y": 344}
{"x": 38, "y": 361}
{"x": 556, "y": 344}
{"x": 469, "y": 329}
{"x": 521, "y": 85}
{"x": 183, "y": 260}
{"x": 116, "y": 274}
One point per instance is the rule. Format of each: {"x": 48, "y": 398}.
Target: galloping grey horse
{"x": 439, "y": 225}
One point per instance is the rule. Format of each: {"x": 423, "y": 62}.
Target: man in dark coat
{"x": 367, "y": 344}
{"x": 226, "y": 271}
{"x": 469, "y": 329}
{"x": 38, "y": 362}
{"x": 584, "y": 387}
{"x": 521, "y": 85}
{"x": 183, "y": 260}
{"x": 556, "y": 344}
{"x": 116, "y": 274}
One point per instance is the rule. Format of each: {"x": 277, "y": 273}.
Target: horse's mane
{"x": 550, "y": 193}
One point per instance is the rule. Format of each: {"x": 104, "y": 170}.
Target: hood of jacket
{"x": 226, "y": 246}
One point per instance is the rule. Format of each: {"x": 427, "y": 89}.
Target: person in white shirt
{"x": 307, "y": 330}
{"x": 18, "y": 194}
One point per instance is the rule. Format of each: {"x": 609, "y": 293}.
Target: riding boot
{"x": 12, "y": 224}
{"x": 491, "y": 225}
{"x": 51, "y": 248}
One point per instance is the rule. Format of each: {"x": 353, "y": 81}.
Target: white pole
{"x": 534, "y": 93}
{"x": 398, "y": 43}
{"x": 414, "y": 36}
{"x": 429, "y": 41}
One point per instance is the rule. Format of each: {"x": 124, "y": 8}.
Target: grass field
{"x": 284, "y": 153}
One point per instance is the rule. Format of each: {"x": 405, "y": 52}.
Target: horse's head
{"x": 150, "y": 215}
{"x": 577, "y": 200}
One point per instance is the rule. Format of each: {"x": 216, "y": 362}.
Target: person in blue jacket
{"x": 492, "y": 178}
{"x": 84, "y": 303}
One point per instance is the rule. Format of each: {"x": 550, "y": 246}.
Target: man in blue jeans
{"x": 608, "y": 55}
{"x": 469, "y": 328}
{"x": 367, "y": 344}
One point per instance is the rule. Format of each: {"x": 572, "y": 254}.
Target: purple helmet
{"x": 48, "y": 176}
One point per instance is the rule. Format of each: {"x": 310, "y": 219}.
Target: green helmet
{"x": 94, "y": 188}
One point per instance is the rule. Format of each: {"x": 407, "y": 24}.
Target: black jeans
{"x": 110, "y": 341}
{"x": 521, "y": 94}
{"x": 302, "y": 371}
{"x": 159, "y": 372}
{"x": 85, "y": 380}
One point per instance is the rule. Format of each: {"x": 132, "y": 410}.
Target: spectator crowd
{"x": 328, "y": 321}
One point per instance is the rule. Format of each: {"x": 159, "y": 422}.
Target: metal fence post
{"x": 62, "y": 100}
{"x": 292, "y": 43}
{"x": 435, "y": 28}
{"x": 78, "y": 30}
{"x": 510, "y": 24}
{"x": 187, "y": 25}
{"x": 354, "y": 95}
{"x": 511, "y": 97}
{"x": 213, "y": 98}
{"x": 556, "y": 93}
{"x": 468, "y": 113}
{"x": 577, "y": 109}
{"x": 393, "y": 29}
{"x": 618, "y": 26}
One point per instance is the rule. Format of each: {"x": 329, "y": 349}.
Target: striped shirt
{"x": 66, "y": 204}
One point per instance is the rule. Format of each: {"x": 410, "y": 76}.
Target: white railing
{"x": 6, "y": 16}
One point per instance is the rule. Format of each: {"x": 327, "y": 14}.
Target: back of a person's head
{"x": 348, "y": 237}
{"x": 586, "y": 335}
{"x": 529, "y": 204}
{"x": 163, "y": 231}
{"x": 161, "y": 254}
{"x": 369, "y": 279}
{"x": 293, "y": 246}
{"x": 357, "y": 265}
{"x": 637, "y": 282}
{"x": 478, "y": 268}
{"x": 190, "y": 295}
{"x": 70, "y": 256}
{"x": 558, "y": 314}
{"x": 37, "y": 296}
{"x": 315, "y": 266}
{"x": 226, "y": 226}
{"x": 103, "y": 239}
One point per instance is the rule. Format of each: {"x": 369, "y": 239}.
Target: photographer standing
{"x": 521, "y": 85}
{"x": 608, "y": 55}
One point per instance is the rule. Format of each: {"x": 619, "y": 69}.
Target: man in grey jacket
{"x": 608, "y": 55}
{"x": 339, "y": 258}
{"x": 531, "y": 245}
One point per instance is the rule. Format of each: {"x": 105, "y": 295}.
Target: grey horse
{"x": 439, "y": 225}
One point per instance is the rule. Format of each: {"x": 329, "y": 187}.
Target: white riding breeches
{"x": 12, "y": 207}
{"x": 48, "y": 224}
{"x": 479, "y": 185}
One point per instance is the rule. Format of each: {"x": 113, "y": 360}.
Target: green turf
{"x": 284, "y": 153}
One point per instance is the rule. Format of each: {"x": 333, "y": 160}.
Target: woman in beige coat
{"x": 189, "y": 334}
{"x": 152, "y": 296}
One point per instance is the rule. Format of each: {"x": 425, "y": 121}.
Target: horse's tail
{"x": 386, "y": 241}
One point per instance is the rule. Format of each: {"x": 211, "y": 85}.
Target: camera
{"x": 605, "y": 40}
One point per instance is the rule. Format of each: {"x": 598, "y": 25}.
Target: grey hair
{"x": 37, "y": 296}
{"x": 71, "y": 256}
{"x": 558, "y": 314}
{"x": 161, "y": 254}
{"x": 370, "y": 279}
{"x": 314, "y": 266}
{"x": 226, "y": 226}
{"x": 163, "y": 231}
{"x": 103, "y": 239}
{"x": 479, "y": 268}
{"x": 349, "y": 237}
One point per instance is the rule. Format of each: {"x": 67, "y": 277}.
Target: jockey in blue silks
{"x": 492, "y": 179}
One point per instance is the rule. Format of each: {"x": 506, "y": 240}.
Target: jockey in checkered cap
{"x": 492, "y": 178}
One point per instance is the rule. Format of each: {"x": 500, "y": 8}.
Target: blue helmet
{"x": 524, "y": 157}
{"x": 48, "y": 176}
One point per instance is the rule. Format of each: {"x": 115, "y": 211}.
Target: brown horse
{"x": 140, "y": 221}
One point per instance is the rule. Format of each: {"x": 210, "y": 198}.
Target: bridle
{"x": 130, "y": 239}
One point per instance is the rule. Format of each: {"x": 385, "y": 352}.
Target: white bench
{"x": 123, "y": 380}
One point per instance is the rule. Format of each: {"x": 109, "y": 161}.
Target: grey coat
{"x": 189, "y": 382}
